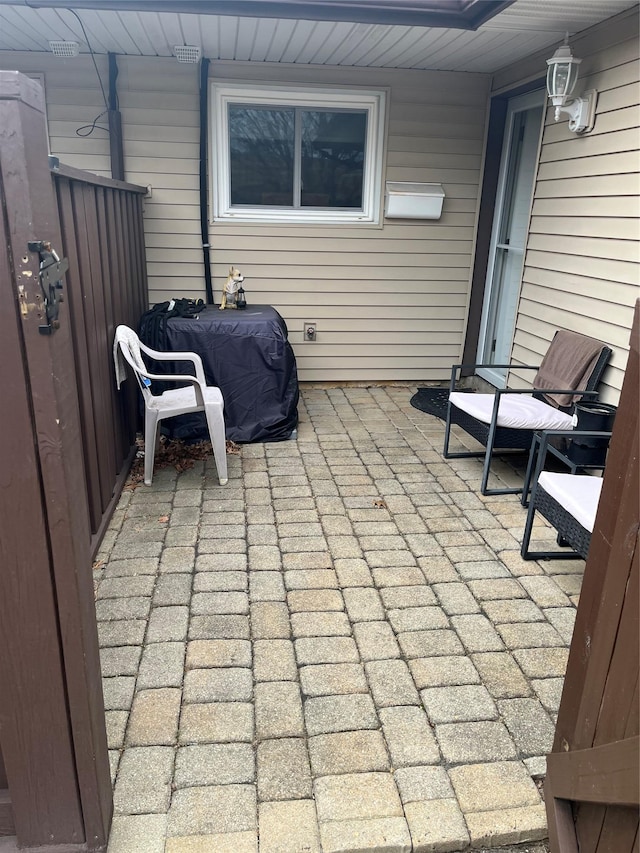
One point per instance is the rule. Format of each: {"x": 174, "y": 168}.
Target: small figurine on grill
{"x": 230, "y": 292}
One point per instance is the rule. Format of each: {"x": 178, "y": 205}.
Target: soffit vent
{"x": 187, "y": 52}
{"x": 64, "y": 48}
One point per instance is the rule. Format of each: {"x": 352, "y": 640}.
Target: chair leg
{"x": 528, "y": 527}
{"x": 447, "y": 433}
{"x": 215, "y": 422}
{"x": 531, "y": 466}
{"x": 474, "y": 454}
{"x": 486, "y": 470}
{"x": 150, "y": 433}
{"x": 465, "y": 454}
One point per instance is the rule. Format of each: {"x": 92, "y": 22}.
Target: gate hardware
{"x": 51, "y": 271}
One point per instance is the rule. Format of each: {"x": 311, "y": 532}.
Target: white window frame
{"x": 372, "y": 102}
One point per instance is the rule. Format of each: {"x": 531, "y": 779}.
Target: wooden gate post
{"x": 52, "y": 727}
{"x": 592, "y": 789}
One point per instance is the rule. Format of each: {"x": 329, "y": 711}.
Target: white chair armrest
{"x": 180, "y": 377}
{"x": 177, "y": 356}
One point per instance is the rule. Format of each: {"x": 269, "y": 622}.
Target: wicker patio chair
{"x": 507, "y": 419}
{"x": 569, "y": 502}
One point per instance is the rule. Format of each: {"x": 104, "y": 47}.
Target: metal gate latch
{"x": 51, "y": 271}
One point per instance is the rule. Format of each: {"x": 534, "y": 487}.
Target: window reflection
{"x": 288, "y": 157}
{"x": 261, "y": 144}
{"x": 332, "y": 158}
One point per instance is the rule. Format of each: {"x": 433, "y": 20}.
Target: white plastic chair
{"x": 196, "y": 397}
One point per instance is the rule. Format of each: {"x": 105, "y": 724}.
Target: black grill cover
{"x": 248, "y": 356}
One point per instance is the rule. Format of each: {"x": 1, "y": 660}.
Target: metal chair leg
{"x": 533, "y": 458}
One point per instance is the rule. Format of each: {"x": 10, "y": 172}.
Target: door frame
{"x": 514, "y": 105}
{"x": 497, "y": 113}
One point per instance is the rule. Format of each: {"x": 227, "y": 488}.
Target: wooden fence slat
{"x": 633, "y": 723}
{"x": 617, "y": 701}
{"x": 618, "y": 830}
{"x": 106, "y": 331}
{"x": 75, "y": 300}
{"x": 562, "y": 829}
{"x": 92, "y": 386}
{"x": 128, "y": 394}
{"x": 101, "y": 342}
{"x": 110, "y": 312}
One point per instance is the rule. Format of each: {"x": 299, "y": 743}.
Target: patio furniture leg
{"x": 458, "y": 454}
{"x": 486, "y": 469}
{"x": 150, "y": 432}
{"x": 215, "y": 422}
{"x": 533, "y": 458}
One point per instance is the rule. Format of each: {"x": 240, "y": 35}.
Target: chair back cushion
{"x": 569, "y": 363}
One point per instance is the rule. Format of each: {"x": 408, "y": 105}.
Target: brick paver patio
{"x": 339, "y": 651}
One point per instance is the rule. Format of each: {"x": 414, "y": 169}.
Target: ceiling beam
{"x": 453, "y": 14}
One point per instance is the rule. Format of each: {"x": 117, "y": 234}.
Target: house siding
{"x": 389, "y": 301}
{"x": 73, "y": 100}
{"x": 581, "y": 267}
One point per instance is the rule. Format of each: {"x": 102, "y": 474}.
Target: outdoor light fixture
{"x": 64, "y": 48}
{"x": 562, "y": 76}
{"x": 187, "y": 53}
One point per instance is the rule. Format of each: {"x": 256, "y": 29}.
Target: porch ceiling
{"x": 520, "y": 29}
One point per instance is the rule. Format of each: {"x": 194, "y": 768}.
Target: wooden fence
{"x": 67, "y": 439}
{"x": 593, "y": 775}
{"x": 102, "y": 237}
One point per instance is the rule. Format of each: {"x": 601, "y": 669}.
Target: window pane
{"x": 333, "y": 148}
{"x": 261, "y": 153}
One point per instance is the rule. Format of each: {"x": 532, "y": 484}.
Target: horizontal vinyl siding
{"x": 74, "y": 99}
{"x": 389, "y": 302}
{"x": 581, "y": 268}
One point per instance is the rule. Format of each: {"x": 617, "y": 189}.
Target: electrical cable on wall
{"x": 87, "y": 129}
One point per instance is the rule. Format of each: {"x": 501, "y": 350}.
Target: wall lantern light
{"x": 562, "y": 76}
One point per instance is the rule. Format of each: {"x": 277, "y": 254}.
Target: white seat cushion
{"x": 517, "y": 411}
{"x": 577, "y": 493}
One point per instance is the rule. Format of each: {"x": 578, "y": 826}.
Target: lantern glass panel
{"x": 561, "y": 79}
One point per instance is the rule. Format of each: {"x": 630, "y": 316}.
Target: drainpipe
{"x": 204, "y": 138}
{"x": 116, "y": 149}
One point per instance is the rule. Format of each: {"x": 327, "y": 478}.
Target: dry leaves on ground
{"x": 172, "y": 453}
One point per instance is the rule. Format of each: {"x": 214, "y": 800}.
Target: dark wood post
{"x": 592, "y": 787}
{"x": 114, "y": 117}
{"x": 52, "y": 730}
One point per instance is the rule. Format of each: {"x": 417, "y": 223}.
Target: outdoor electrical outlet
{"x": 309, "y": 331}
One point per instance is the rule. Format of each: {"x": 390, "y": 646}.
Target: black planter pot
{"x": 595, "y": 417}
